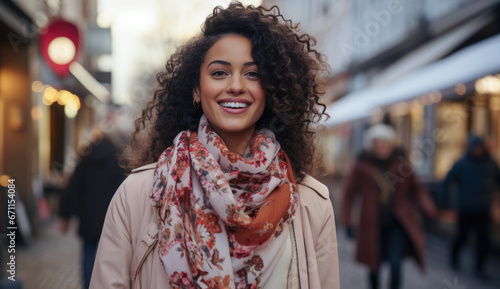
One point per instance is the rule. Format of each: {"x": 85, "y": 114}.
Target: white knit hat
{"x": 379, "y": 131}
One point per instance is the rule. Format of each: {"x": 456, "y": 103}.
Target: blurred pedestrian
{"x": 220, "y": 196}
{"x": 475, "y": 176}
{"x": 88, "y": 194}
{"x": 389, "y": 225}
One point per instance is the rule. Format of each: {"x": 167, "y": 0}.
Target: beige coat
{"x": 127, "y": 256}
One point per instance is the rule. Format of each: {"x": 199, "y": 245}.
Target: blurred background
{"x": 431, "y": 69}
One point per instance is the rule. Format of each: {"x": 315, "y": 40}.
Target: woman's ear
{"x": 197, "y": 94}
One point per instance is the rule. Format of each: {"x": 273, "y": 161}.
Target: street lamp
{"x": 59, "y": 45}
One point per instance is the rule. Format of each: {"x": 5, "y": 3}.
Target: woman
{"x": 226, "y": 202}
{"x": 389, "y": 226}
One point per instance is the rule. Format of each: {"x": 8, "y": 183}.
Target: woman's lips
{"x": 234, "y": 110}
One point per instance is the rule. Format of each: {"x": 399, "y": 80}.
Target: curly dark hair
{"x": 288, "y": 67}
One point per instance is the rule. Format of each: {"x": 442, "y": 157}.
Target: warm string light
{"x": 490, "y": 84}
{"x": 70, "y": 101}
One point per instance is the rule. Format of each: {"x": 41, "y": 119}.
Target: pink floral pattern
{"x": 216, "y": 229}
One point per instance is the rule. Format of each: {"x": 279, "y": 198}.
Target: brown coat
{"x": 127, "y": 256}
{"x": 405, "y": 189}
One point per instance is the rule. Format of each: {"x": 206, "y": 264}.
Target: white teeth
{"x": 234, "y": 104}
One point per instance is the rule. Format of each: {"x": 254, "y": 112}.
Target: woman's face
{"x": 231, "y": 96}
{"x": 382, "y": 148}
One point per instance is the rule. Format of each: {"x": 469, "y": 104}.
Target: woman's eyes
{"x": 222, "y": 73}
{"x": 219, "y": 73}
{"x": 253, "y": 74}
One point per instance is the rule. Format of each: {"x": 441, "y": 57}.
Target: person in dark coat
{"x": 475, "y": 177}
{"x": 89, "y": 192}
{"x": 389, "y": 225}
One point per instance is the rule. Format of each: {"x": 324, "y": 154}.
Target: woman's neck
{"x": 237, "y": 142}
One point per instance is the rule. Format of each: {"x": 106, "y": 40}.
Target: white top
{"x": 279, "y": 276}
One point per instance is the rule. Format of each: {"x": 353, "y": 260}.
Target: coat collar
{"x": 316, "y": 186}
{"x": 144, "y": 168}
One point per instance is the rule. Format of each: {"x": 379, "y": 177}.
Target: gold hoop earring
{"x": 196, "y": 105}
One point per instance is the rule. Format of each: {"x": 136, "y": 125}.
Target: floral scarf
{"x": 223, "y": 218}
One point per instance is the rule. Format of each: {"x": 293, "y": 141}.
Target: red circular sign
{"x": 59, "y": 45}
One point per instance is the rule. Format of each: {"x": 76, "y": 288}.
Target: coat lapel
{"x": 301, "y": 249}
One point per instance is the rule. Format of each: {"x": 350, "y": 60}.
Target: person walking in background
{"x": 88, "y": 194}
{"x": 475, "y": 176}
{"x": 389, "y": 225}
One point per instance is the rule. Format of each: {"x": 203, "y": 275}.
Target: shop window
{"x": 451, "y": 141}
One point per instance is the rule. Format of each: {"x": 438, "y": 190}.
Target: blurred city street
{"x": 411, "y": 89}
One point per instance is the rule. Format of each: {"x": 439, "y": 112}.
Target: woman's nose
{"x": 236, "y": 85}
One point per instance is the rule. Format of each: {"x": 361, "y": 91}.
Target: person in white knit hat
{"x": 380, "y": 139}
{"x": 389, "y": 226}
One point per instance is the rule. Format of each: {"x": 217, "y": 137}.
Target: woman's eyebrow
{"x": 250, "y": 63}
{"x": 229, "y": 64}
{"x": 219, "y": 62}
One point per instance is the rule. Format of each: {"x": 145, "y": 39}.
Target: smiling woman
{"x": 223, "y": 198}
{"x": 230, "y": 92}
{"x": 287, "y": 66}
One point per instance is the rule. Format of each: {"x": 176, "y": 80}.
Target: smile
{"x": 234, "y": 104}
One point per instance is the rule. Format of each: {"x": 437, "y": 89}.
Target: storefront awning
{"x": 465, "y": 65}
{"x": 433, "y": 50}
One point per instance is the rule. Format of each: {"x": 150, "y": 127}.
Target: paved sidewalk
{"x": 51, "y": 261}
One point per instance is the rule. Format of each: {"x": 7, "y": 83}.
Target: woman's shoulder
{"x": 148, "y": 167}
{"x": 311, "y": 184}
{"x": 141, "y": 176}
{"x": 136, "y": 188}
{"x": 314, "y": 199}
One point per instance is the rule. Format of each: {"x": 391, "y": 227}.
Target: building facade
{"x": 39, "y": 138}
